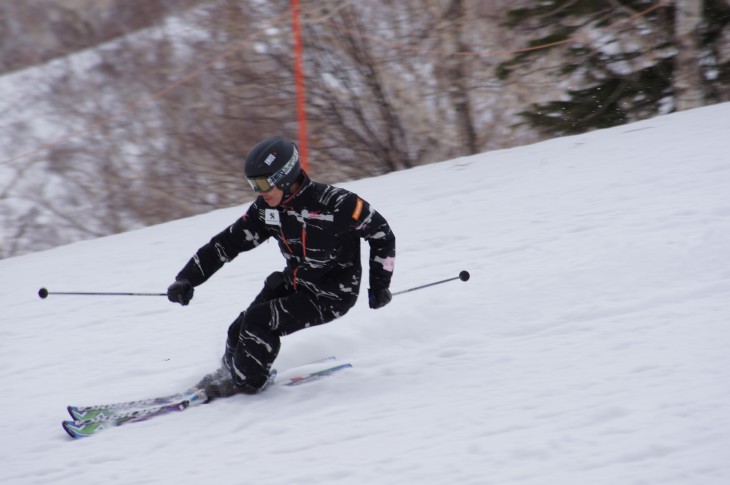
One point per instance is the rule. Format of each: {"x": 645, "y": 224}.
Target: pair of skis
{"x": 89, "y": 420}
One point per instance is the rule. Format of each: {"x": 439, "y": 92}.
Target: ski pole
{"x": 463, "y": 276}
{"x": 43, "y": 293}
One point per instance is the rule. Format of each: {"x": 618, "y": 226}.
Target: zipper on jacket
{"x": 304, "y": 249}
{"x": 304, "y": 240}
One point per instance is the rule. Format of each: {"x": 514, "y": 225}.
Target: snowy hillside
{"x": 591, "y": 345}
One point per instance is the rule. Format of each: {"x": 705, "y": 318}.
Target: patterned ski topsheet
{"x": 90, "y": 412}
{"x": 100, "y": 417}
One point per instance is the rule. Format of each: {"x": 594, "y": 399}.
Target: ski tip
{"x": 68, "y": 428}
{"x": 72, "y": 411}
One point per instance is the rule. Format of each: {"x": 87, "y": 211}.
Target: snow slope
{"x": 589, "y": 347}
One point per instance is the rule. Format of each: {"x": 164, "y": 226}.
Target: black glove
{"x": 275, "y": 280}
{"x": 379, "y": 297}
{"x": 280, "y": 280}
{"x": 181, "y": 291}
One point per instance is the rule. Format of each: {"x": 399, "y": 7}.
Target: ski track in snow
{"x": 589, "y": 347}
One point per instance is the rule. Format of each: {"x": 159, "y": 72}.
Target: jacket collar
{"x": 292, "y": 201}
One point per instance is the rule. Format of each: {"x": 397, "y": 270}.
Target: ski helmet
{"x": 273, "y": 162}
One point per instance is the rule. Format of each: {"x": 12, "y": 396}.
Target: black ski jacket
{"x": 318, "y": 231}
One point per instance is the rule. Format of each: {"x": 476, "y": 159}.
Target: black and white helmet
{"x": 273, "y": 162}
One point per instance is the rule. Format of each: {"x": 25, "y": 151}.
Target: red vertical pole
{"x": 299, "y": 83}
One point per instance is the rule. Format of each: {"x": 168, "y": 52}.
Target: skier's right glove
{"x": 379, "y": 297}
{"x": 181, "y": 291}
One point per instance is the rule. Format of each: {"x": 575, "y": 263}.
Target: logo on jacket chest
{"x": 272, "y": 217}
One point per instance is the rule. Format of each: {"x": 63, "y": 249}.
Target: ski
{"x": 82, "y": 413}
{"x": 295, "y": 381}
{"x": 89, "y": 427}
{"x": 85, "y": 413}
{"x": 105, "y": 416}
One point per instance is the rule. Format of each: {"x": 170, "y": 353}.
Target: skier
{"x": 318, "y": 228}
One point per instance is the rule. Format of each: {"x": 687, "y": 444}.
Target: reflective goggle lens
{"x": 260, "y": 184}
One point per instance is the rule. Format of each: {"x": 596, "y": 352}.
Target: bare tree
{"x": 34, "y": 32}
{"x": 457, "y": 75}
{"x": 688, "y": 82}
{"x": 166, "y": 119}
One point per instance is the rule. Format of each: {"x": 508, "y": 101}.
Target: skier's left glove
{"x": 275, "y": 280}
{"x": 379, "y": 297}
{"x": 280, "y": 280}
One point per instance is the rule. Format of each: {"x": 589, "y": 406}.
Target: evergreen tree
{"x": 619, "y": 59}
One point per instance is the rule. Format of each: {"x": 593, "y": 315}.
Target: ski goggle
{"x": 260, "y": 184}
{"x": 267, "y": 184}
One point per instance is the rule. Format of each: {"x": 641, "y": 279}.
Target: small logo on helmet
{"x": 270, "y": 159}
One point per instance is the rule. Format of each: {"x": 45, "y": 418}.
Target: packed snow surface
{"x": 591, "y": 345}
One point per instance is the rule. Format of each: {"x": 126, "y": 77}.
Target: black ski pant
{"x": 254, "y": 337}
